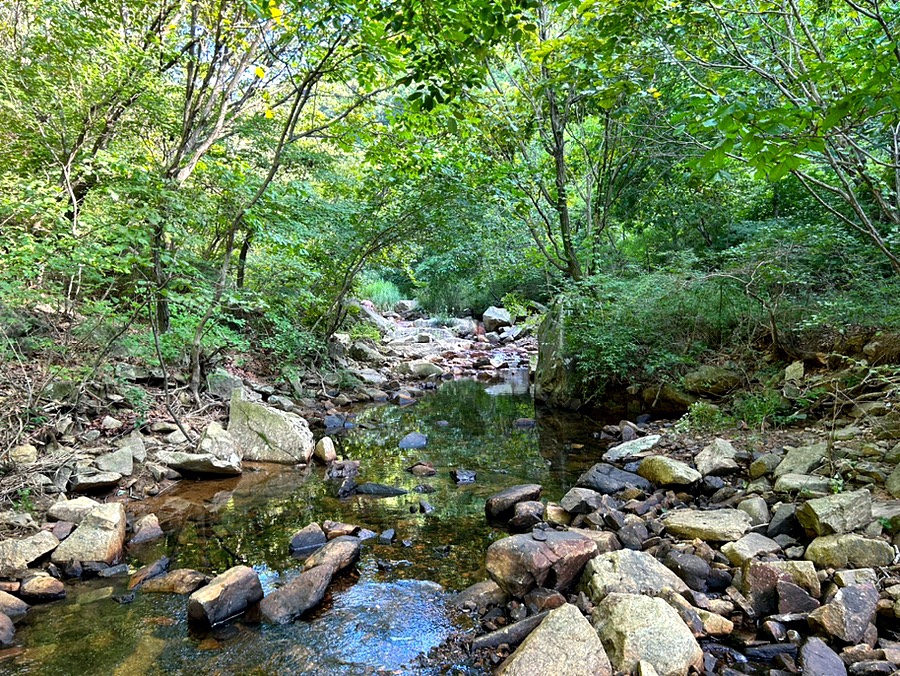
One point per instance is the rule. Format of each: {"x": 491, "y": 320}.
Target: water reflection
{"x": 393, "y": 612}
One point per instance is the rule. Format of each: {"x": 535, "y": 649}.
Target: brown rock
{"x": 520, "y": 562}
{"x": 500, "y": 506}
{"x": 338, "y": 554}
{"x": 226, "y": 595}
{"x": 42, "y": 588}
{"x": 849, "y": 613}
{"x": 180, "y": 581}
{"x": 299, "y": 595}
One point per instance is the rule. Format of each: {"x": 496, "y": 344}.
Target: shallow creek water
{"x": 380, "y": 619}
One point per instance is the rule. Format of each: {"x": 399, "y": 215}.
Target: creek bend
{"x": 385, "y": 616}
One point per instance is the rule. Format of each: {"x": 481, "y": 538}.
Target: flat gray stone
{"x": 629, "y": 449}
{"x": 120, "y": 462}
{"x": 749, "y": 547}
{"x": 72, "y": 510}
{"x": 720, "y": 525}
{"x": 200, "y": 463}
{"x": 801, "y": 460}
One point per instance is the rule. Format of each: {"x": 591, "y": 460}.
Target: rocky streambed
{"x": 466, "y": 533}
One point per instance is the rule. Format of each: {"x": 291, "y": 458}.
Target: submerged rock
{"x": 225, "y": 596}
{"x": 380, "y": 490}
{"x": 413, "y": 440}
{"x": 299, "y": 595}
{"x": 520, "y": 562}
{"x": 563, "y": 643}
{"x": 180, "y": 581}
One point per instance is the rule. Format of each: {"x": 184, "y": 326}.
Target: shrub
{"x": 384, "y": 294}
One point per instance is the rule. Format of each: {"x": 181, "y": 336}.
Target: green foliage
{"x": 609, "y": 327}
{"x": 23, "y": 501}
{"x": 365, "y": 330}
{"x": 383, "y": 293}
{"x": 759, "y": 409}
{"x": 292, "y": 342}
{"x": 704, "y": 417}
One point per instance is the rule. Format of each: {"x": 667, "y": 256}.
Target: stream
{"x": 390, "y": 616}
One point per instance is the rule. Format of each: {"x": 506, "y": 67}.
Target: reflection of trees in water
{"x": 255, "y": 526}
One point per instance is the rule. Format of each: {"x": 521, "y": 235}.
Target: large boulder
{"x": 720, "y": 525}
{"x": 629, "y": 572}
{"x": 98, "y": 539}
{"x": 839, "y": 513}
{"x": 564, "y": 643}
{"x": 663, "y": 471}
{"x": 299, "y": 595}
{"x": 267, "y": 435}
{"x": 708, "y": 379}
{"x": 15, "y": 555}
{"x": 200, "y": 463}
{"x": 225, "y": 596}
{"x": 849, "y": 551}
{"x": 500, "y": 506}
{"x": 636, "y": 628}
{"x": 521, "y": 562}
{"x": 495, "y": 318}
